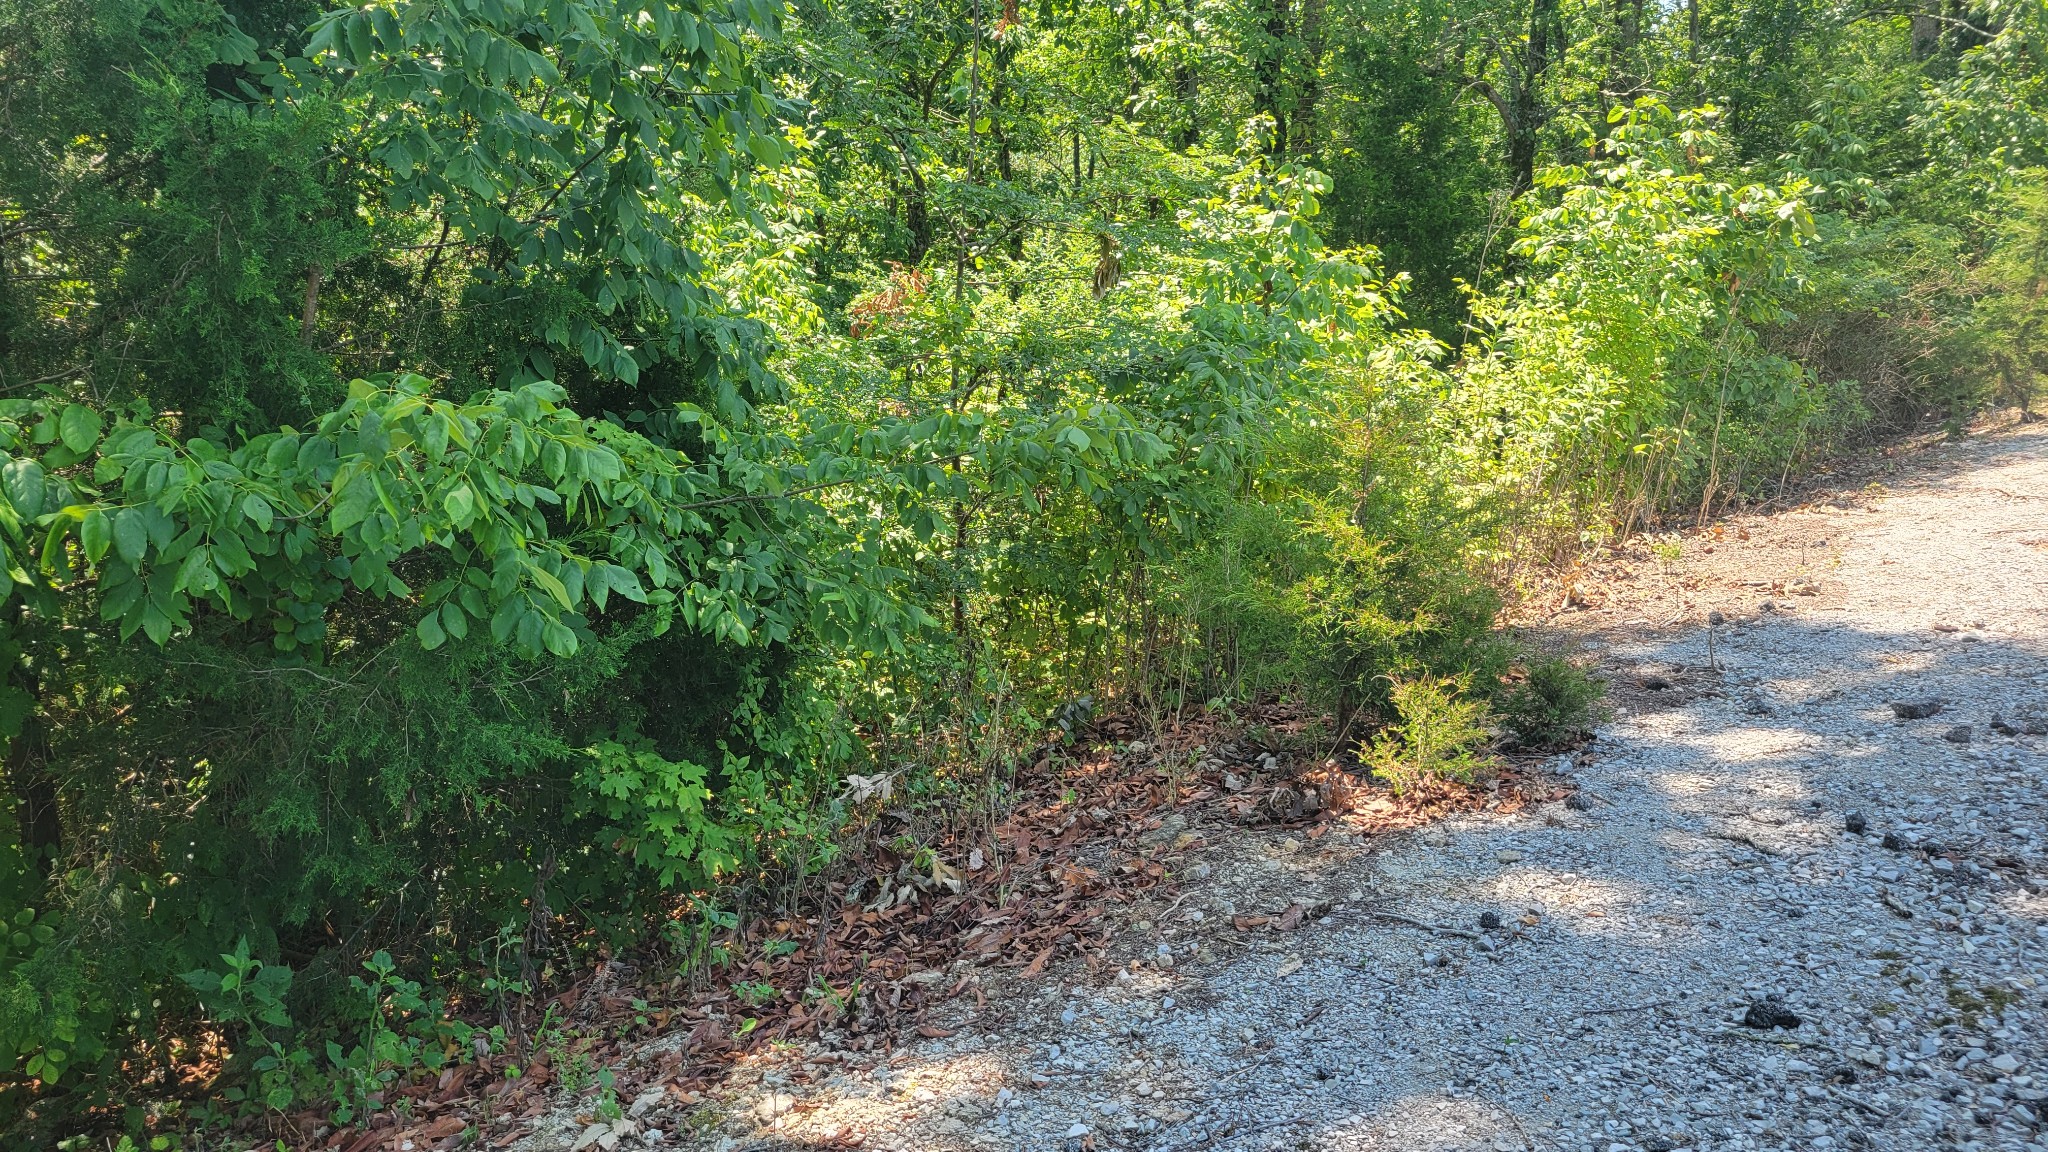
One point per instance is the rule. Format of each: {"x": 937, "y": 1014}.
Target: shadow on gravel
{"x": 1712, "y": 869}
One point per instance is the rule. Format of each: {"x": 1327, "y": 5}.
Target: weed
{"x": 820, "y": 990}
{"x": 754, "y": 993}
{"x": 249, "y": 994}
{"x": 573, "y": 1069}
{"x": 607, "y": 1108}
{"x": 1436, "y": 738}
{"x": 1668, "y": 553}
{"x": 1967, "y": 1006}
{"x": 1555, "y": 706}
{"x": 575, "y": 1072}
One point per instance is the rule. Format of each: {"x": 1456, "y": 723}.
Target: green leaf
{"x": 196, "y": 574}
{"x": 95, "y": 534}
{"x": 131, "y": 535}
{"x": 360, "y": 45}
{"x": 431, "y": 635}
{"x": 23, "y": 482}
{"x": 560, "y": 639}
{"x": 454, "y": 620}
{"x": 257, "y": 509}
{"x": 551, "y": 586}
{"x": 79, "y": 428}
{"x": 460, "y": 505}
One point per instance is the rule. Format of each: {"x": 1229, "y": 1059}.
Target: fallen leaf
{"x": 1289, "y": 920}
{"x": 931, "y": 1032}
{"x": 1247, "y": 923}
{"x": 1288, "y": 967}
{"x": 1037, "y": 964}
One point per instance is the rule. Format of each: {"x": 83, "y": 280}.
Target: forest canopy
{"x": 483, "y": 475}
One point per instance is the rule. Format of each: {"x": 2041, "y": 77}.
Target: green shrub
{"x": 247, "y": 999}
{"x": 1553, "y": 706}
{"x": 1439, "y": 736}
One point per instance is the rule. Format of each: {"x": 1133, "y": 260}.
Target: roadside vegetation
{"x": 495, "y": 484}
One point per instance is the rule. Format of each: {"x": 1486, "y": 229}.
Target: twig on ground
{"x": 1744, "y": 838}
{"x": 1628, "y": 1008}
{"x": 1527, "y": 1141}
{"x": 1845, "y": 1098}
{"x": 1439, "y": 929}
{"x": 1775, "y": 1043}
{"x": 1236, "y": 1072}
{"x": 1234, "y": 1133}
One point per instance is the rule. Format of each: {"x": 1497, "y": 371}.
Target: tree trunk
{"x": 1187, "y": 87}
{"x": 1268, "y": 76}
{"x": 1623, "y": 47}
{"x": 998, "y": 88}
{"x": 1307, "y": 141}
{"x": 1528, "y": 113}
{"x": 916, "y": 207}
{"x": 1926, "y": 33}
{"x": 309, "y": 316}
{"x": 27, "y": 764}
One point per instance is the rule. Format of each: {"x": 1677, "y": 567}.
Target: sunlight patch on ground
{"x": 962, "y": 1088}
{"x": 1690, "y": 783}
{"x": 1567, "y": 895}
{"x": 1422, "y": 1124}
{"x": 1749, "y": 744}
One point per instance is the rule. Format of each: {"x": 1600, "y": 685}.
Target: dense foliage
{"x": 480, "y": 475}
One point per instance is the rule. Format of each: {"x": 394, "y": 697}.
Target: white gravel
{"x": 1710, "y": 870}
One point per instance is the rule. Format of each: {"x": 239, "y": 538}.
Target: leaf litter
{"x": 1086, "y": 834}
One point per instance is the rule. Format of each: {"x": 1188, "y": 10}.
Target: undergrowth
{"x": 458, "y": 534}
{"x": 1554, "y": 705}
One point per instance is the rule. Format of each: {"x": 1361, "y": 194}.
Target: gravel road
{"x": 1704, "y": 873}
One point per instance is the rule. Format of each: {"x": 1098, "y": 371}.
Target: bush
{"x": 1554, "y": 706}
{"x": 1438, "y": 737}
